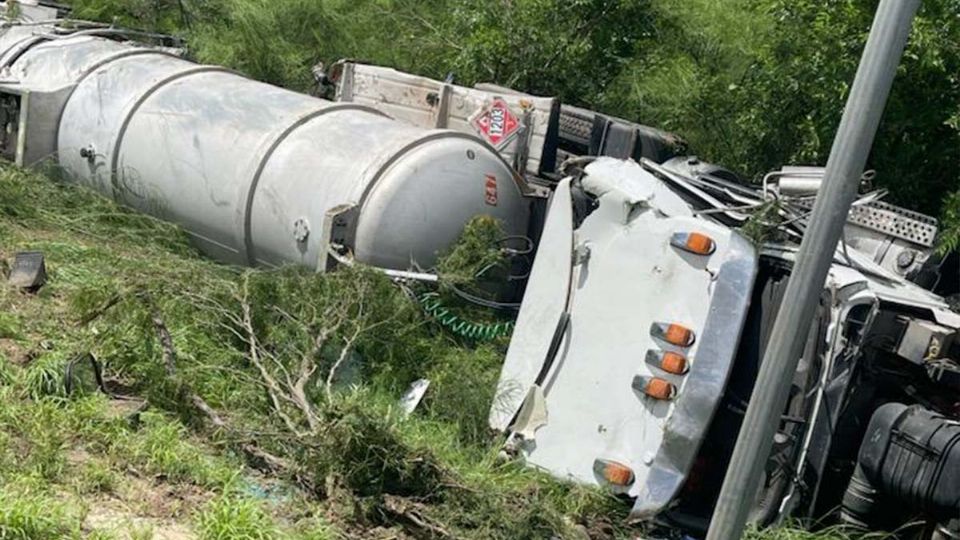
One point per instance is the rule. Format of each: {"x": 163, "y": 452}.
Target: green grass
{"x": 26, "y": 516}
{"x": 163, "y": 446}
{"x": 235, "y": 518}
{"x": 442, "y": 462}
{"x": 370, "y": 467}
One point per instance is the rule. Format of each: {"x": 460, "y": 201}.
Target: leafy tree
{"x": 752, "y": 84}
{"x": 568, "y": 48}
{"x": 773, "y": 95}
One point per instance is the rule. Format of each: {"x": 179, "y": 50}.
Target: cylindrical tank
{"x": 254, "y": 172}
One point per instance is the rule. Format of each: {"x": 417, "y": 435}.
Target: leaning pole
{"x": 848, "y": 157}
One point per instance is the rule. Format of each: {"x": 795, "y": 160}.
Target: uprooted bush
{"x": 287, "y": 336}
{"x": 292, "y": 372}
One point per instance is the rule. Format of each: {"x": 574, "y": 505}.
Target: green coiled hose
{"x": 470, "y": 330}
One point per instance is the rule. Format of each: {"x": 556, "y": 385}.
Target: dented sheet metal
{"x": 631, "y": 278}
{"x": 545, "y": 303}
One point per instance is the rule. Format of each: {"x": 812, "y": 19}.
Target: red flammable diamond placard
{"x": 497, "y": 123}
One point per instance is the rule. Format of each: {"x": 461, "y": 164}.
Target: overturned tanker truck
{"x": 645, "y": 316}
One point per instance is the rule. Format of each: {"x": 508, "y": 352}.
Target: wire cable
{"x": 483, "y": 302}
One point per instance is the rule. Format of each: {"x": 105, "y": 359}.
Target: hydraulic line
{"x": 433, "y": 306}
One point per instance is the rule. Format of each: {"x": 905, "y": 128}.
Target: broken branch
{"x": 267, "y": 462}
{"x": 100, "y": 310}
{"x": 407, "y": 511}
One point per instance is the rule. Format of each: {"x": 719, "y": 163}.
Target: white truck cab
{"x": 626, "y": 337}
{"x": 642, "y": 329}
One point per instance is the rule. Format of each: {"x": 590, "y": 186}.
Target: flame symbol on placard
{"x": 497, "y": 123}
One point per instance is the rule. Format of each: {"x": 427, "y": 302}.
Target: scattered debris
{"x": 83, "y": 375}
{"x": 412, "y": 515}
{"x": 29, "y": 271}
{"x": 414, "y": 395}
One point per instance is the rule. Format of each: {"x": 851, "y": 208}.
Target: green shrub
{"x": 233, "y": 517}
{"x": 9, "y": 325}
{"x": 28, "y": 516}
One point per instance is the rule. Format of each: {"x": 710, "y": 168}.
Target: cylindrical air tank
{"x": 257, "y": 174}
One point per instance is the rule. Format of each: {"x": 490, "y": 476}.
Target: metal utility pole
{"x": 871, "y": 87}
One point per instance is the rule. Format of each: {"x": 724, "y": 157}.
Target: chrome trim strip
{"x": 706, "y": 381}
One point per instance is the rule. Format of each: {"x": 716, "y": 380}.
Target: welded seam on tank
{"x": 98, "y": 65}
{"x": 18, "y": 49}
{"x": 38, "y": 39}
{"x": 248, "y": 247}
{"x": 440, "y": 134}
{"x": 121, "y": 133}
{"x": 113, "y": 58}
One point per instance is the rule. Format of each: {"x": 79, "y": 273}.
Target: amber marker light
{"x": 670, "y": 362}
{"x": 655, "y": 387}
{"x": 693, "y": 242}
{"x": 674, "y": 334}
{"x": 613, "y": 473}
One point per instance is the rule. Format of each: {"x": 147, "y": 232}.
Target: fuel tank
{"x": 256, "y": 174}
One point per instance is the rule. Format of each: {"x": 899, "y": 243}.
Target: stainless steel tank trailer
{"x": 646, "y": 311}
{"x": 255, "y": 174}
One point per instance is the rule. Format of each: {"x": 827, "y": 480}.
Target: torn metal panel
{"x": 532, "y": 416}
{"x": 849, "y": 294}
{"x": 413, "y": 396}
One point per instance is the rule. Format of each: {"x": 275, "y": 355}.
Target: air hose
{"x": 475, "y": 331}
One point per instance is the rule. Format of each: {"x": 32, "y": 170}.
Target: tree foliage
{"x": 776, "y": 96}
{"x": 752, "y": 84}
